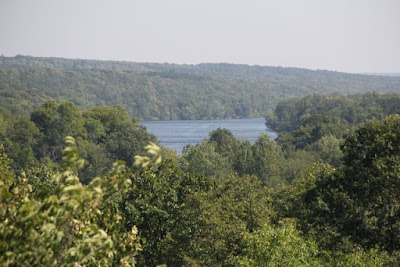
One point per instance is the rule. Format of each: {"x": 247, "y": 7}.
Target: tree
{"x": 55, "y": 121}
{"x": 205, "y": 160}
{"x": 371, "y": 179}
{"x": 360, "y": 201}
{"x": 112, "y": 128}
{"x": 280, "y": 245}
{"x": 220, "y": 218}
{"x": 157, "y": 203}
{"x": 20, "y": 137}
{"x": 267, "y": 157}
{"x": 328, "y": 150}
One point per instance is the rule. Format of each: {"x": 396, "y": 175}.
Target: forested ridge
{"x": 169, "y": 91}
{"x": 325, "y": 193}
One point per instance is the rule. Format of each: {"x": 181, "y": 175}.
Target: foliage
{"x": 55, "y": 121}
{"x": 371, "y": 159}
{"x": 112, "y": 129}
{"x": 156, "y": 202}
{"x": 312, "y": 130}
{"x": 72, "y": 225}
{"x": 19, "y": 135}
{"x": 297, "y": 200}
{"x": 205, "y": 160}
{"x": 219, "y": 219}
{"x": 170, "y": 91}
{"x": 296, "y": 162}
{"x": 328, "y": 150}
{"x": 223, "y": 154}
{"x": 357, "y": 202}
{"x": 267, "y": 157}
{"x": 278, "y": 246}
{"x": 103, "y": 134}
{"x": 354, "y": 109}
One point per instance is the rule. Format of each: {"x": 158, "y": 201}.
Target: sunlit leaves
{"x": 154, "y": 157}
{"x": 281, "y": 245}
{"x": 74, "y": 225}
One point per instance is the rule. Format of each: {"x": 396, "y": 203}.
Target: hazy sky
{"x": 342, "y": 35}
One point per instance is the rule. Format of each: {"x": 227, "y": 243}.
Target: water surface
{"x": 176, "y": 134}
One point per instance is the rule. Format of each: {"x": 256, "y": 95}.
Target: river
{"x": 176, "y": 134}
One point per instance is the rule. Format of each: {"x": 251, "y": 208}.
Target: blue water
{"x": 178, "y": 133}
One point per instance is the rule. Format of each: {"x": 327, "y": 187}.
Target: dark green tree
{"x": 55, "y": 121}
{"x": 371, "y": 178}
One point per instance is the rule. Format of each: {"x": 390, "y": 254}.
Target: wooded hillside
{"x": 169, "y": 91}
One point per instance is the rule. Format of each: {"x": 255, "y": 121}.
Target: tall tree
{"x": 55, "y": 121}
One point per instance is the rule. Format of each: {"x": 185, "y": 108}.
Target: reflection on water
{"x": 177, "y": 134}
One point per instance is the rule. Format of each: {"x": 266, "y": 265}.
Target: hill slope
{"x": 170, "y": 91}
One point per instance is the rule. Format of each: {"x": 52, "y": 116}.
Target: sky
{"x": 358, "y": 36}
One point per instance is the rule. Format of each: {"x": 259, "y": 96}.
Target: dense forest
{"x": 169, "y": 91}
{"x": 325, "y": 193}
{"x": 82, "y": 183}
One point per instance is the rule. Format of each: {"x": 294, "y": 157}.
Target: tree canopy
{"x": 170, "y": 91}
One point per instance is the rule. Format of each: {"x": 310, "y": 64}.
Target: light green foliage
{"x": 280, "y": 245}
{"x": 223, "y": 154}
{"x": 237, "y": 152}
{"x": 364, "y": 258}
{"x": 154, "y": 157}
{"x": 74, "y": 225}
{"x": 284, "y": 245}
{"x": 267, "y": 158}
{"x": 221, "y": 217}
{"x": 328, "y": 150}
{"x": 6, "y": 173}
{"x": 42, "y": 180}
{"x": 205, "y": 160}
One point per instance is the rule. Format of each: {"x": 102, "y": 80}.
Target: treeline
{"x": 353, "y": 109}
{"x": 145, "y": 95}
{"x": 169, "y": 91}
{"x": 239, "y": 71}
